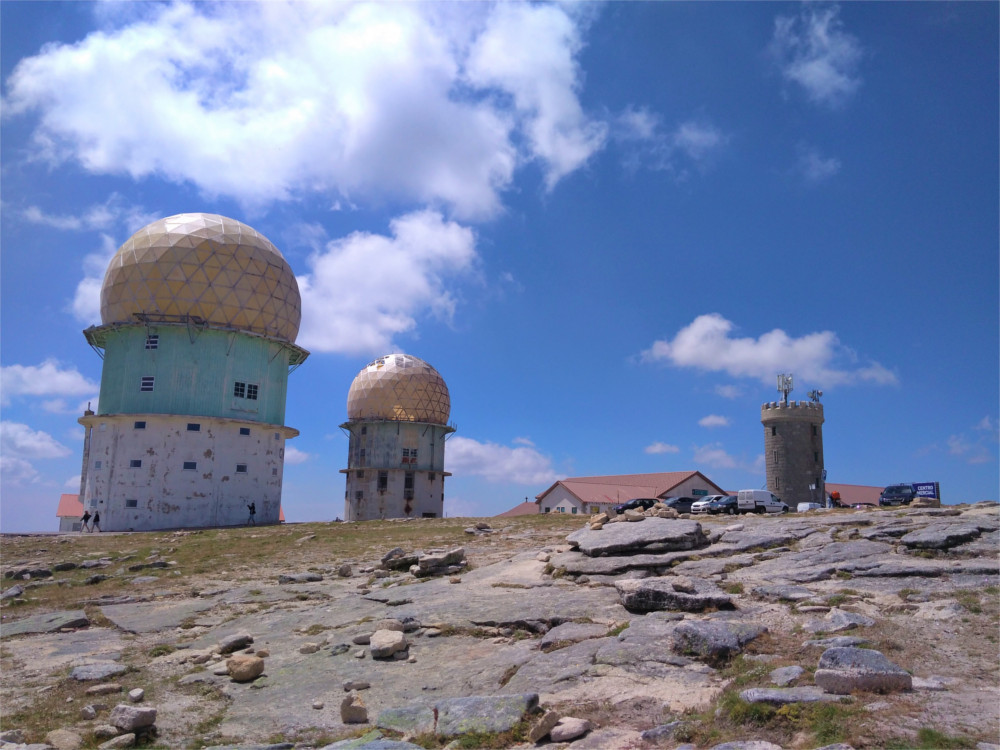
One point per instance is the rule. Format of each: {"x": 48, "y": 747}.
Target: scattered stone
{"x": 95, "y": 579}
{"x": 569, "y": 729}
{"x": 15, "y": 736}
{"x": 50, "y": 622}
{"x": 137, "y": 695}
{"x": 356, "y": 685}
{"x": 389, "y": 624}
{"x": 572, "y": 632}
{"x": 97, "y": 670}
{"x": 844, "y": 670}
{"x": 235, "y": 642}
{"x": 714, "y": 641}
{"x": 12, "y": 592}
{"x": 929, "y": 683}
{"x": 782, "y": 593}
{"x": 786, "y": 675}
{"x": 308, "y": 648}
{"x": 746, "y": 745}
{"x": 543, "y": 726}
{"x": 683, "y": 584}
{"x": 353, "y": 710}
{"x": 661, "y": 733}
{"x": 385, "y": 643}
{"x": 344, "y": 571}
{"x": 359, "y": 654}
{"x": 63, "y": 739}
{"x": 940, "y": 537}
{"x": 837, "y": 621}
{"x": 105, "y": 732}
{"x": 122, "y": 740}
{"x": 129, "y": 718}
{"x": 432, "y": 632}
{"x": 244, "y": 667}
{"x": 839, "y": 640}
{"x": 300, "y": 578}
{"x": 340, "y": 648}
{"x": 318, "y": 705}
{"x": 88, "y": 713}
{"x": 782, "y": 696}
{"x": 263, "y": 653}
{"x": 543, "y": 557}
{"x": 362, "y": 639}
{"x": 652, "y": 594}
{"x": 411, "y": 720}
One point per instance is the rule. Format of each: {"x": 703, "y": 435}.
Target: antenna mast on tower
{"x": 785, "y": 386}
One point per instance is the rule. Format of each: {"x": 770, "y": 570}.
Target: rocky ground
{"x": 828, "y": 629}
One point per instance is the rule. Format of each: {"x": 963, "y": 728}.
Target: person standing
{"x": 252, "y": 521}
{"x": 86, "y": 520}
{"x": 97, "y": 520}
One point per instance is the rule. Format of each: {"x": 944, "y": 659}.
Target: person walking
{"x": 86, "y": 520}
{"x": 97, "y": 520}
{"x": 252, "y": 521}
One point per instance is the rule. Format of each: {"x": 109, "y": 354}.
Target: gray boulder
{"x": 785, "y": 675}
{"x": 490, "y": 713}
{"x": 385, "y": 643}
{"x": 129, "y": 718}
{"x": 51, "y": 622}
{"x": 782, "y": 696}
{"x": 300, "y": 578}
{"x": 941, "y": 537}
{"x": 714, "y": 641}
{"x": 844, "y": 670}
{"x": 652, "y": 594}
{"x": 653, "y": 535}
{"x": 573, "y": 632}
{"x": 235, "y": 642}
{"x": 98, "y": 670}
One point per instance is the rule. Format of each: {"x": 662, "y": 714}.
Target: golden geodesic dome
{"x": 205, "y": 266}
{"x": 399, "y": 387}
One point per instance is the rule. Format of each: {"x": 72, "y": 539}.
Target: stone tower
{"x": 793, "y": 450}
{"x": 199, "y": 315}
{"x": 397, "y": 409}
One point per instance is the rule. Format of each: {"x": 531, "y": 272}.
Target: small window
{"x": 364, "y": 429}
{"x": 429, "y": 515}
{"x": 190, "y": 466}
{"x": 140, "y": 425}
{"x": 573, "y": 510}
{"x": 408, "y": 480}
{"x": 251, "y": 391}
{"x": 274, "y": 472}
{"x": 97, "y": 464}
{"x": 359, "y": 475}
{"x": 239, "y": 389}
{"x": 777, "y": 483}
{"x": 131, "y": 503}
{"x": 146, "y": 382}
{"x": 277, "y": 436}
{"x": 774, "y": 455}
{"x": 152, "y": 341}
{"x": 194, "y": 427}
{"x": 359, "y": 495}
{"x": 431, "y": 476}
{"x": 135, "y": 463}
{"x": 241, "y": 468}
{"x": 815, "y": 430}
{"x": 244, "y": 430}
{"x": 774, "y": 430}
{"x": 816, "y": 456}
{"x": 548, "y": 509}
{"x": 383, "y": 481}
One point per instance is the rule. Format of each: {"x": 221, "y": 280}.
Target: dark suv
{"x": 637, "y": 503}
{"x": 897, "y": 494}
{"x": 680, "y": 504}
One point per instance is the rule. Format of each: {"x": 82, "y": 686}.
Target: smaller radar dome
{"x": 399, "y": 387}
{"x": 203, "y": 266}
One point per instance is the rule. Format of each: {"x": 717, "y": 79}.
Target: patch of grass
{"x": 836, "y": 600}
{"x": 741, "y": 713}
{"x": 617, "y": 629}
{"x": 505, "y": 585}
{"x": 314, "y": 629}
{"x": 843, "y": 575}
{"x": 733, "y": 588}
{"x": 931, "y": 739}
{"x": 970, "y": 600}
{"x": 255, "y": 592}
{"x": 161, "y": 649}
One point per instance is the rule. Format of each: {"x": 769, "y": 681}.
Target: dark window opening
{"x": 359, "y": 495}
{"x": 383, "y": 481}
{"x": 431, "y": 476}
{"x": 152, "y": 341}
{"x": 239, "y": 389}
{"x": 135, "y": 463}
{"x": 190, "y": 465}
{"x": 131, "y": 503}
{"x": 815, "y": 431}
{"x": 244, "y": 430}
{"x": 408, "y": 485}
{"x": 816, "y": 456}
{"x": 241, "y": 468}
{"x": 429, "y": 515}
{"x": 251, "y": 391}
{"x": 774, "y": 430}
{"x": 146, "y": 382}
{"x": 194, "y": 427}
{"x": 274, "y": 472}
{"x": 139, "y": 425}
{"x": 359, "y": 475}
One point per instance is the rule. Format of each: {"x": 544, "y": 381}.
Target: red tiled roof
{"x": 622, "y": 487}
{"x": 69, "y": 507}
{"x": 522, "y": 509}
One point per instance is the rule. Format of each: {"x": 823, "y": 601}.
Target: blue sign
{"x": 927, "y": 489}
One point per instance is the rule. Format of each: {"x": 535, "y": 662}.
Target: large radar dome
{"x": 205, "y": 266}
{"x": 401, "y": 388}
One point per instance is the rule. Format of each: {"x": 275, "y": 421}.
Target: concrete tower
{"x": 199, "y": 315}
{"x": 397, "y": 411}
{"x": 793, "y": 450}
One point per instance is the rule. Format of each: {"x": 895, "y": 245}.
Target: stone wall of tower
{"x": 793, "y": 450}
{"x": 395, "y": 470}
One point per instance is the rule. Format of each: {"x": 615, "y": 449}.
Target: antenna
{"x": 814, "y": 396}
{"x": 785, "y": 386}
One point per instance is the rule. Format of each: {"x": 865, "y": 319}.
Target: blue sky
{"x": 608, "y": 226}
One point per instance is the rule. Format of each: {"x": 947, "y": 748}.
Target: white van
{"x": 759, "y": 501}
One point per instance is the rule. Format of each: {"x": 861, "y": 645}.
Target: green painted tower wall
{"x": 195, "y": 372}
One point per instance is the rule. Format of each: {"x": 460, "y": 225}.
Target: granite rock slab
{"x": 714, "y": 641}
{"x": 844, "y": 670}
{"x": 650, "y": 535}
{"x": 652, "y": 594}
{"x": 784, "y": 696}
{"x": 50, "y": 622}
{"x": 153, "y": 617}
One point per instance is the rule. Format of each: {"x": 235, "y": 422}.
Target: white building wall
{"x": 160, "y": 493}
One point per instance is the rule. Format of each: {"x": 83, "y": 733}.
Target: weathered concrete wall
{"x": 161, "y": 493}
{"x": 395, "y": 451}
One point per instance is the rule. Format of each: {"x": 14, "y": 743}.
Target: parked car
{"x": 701, "y": 506}
{"x": 637, "y": 503}
{"x": 680, "y": 504}
{"x": 724, "y": 504}
{"x": 897, "y": 494}
{"x": 803, "y": 507}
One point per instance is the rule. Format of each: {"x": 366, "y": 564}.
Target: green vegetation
{"x": 931, "y": 739}
{"x": 733, "y": 588}
{"x": 161, "y": 649}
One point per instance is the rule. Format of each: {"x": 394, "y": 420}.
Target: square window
{"x": 194, "y": 427}
{"x": 190, "y": 466}
{"x": 152, "y": 341}
{"x": 244, "y": 430}
{"x": 139, "y": 425}
{"x": 97, "y": 464}
{"x": 359, "y": 495}
{"x": 574, "y": 510}
{"x": 359, "y": 474}
{"x": 277, "y": 436}
{"x": 146, "y": 382}
{"x": 251, "y": 391}
{"x": 241, "y": 468}
{"x": 431, "y": 476}
{"x": 135, "y": 463}
{"x": 131, "y": 503}
{"x": 364, "y": 429}
{"x": 274, "y": 472}
{"x": 239, "y": 389}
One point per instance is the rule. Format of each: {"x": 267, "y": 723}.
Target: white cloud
{"x": 433, "y": 103}
{"x": 498, "y": 463}
{"x": 814, "y": 358}
{"x": 294, "y": 456}
{"x": 46, "y": 379}
{"x": 714, "y": 420}
{"x": 814, "y": 166}
{"x": 814, "y": 52}
{"x": 981, "y": 447}
{"x": 17, "y": 471}
{"x": 658, "y": 447}
{"x": 73, "y": 483}
{"x": 714, "y": 456}
{"x": 20, "y": 441}
{"x": 523, "y": 441}
{"x": 729, "y": 391}
{"x": 366, "y": 288}
{"x": 458, "y": 507}
{"x": 696, "y": 141}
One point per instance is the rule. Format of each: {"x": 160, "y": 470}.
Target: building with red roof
{"x": 587, "y": 495}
